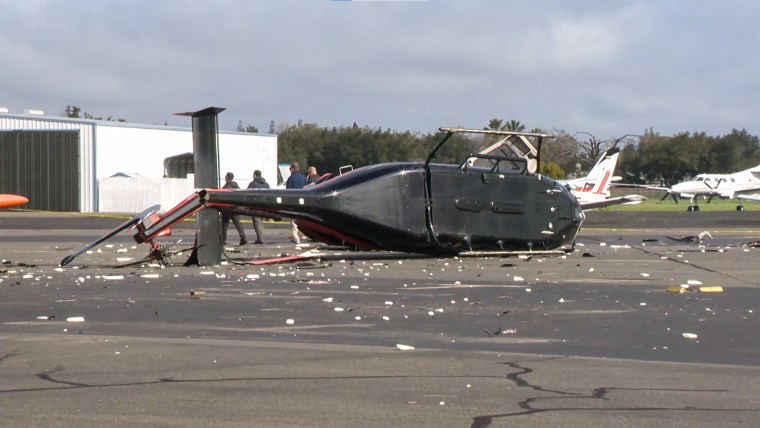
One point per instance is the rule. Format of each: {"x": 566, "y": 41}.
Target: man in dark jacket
{"x": 258, "y": 225}
{"x": 226, "y": 217}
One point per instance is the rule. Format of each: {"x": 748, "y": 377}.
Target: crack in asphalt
{"x": 69, "y": 385}
{"x": 529, "y": 405}
{"x": 9, "y": 356}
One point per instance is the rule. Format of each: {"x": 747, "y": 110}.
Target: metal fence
{"x": 134, "y": 194}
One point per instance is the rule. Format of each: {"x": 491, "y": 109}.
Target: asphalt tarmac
{"x": 590, "y": 338}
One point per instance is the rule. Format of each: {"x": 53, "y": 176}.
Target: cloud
{"x": 609, "y": 68}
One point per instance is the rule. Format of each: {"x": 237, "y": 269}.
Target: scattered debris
{"x": 751, "y": 244}
{"x": 290, "y": 321}
{"x": 75, "y": 319}
{"x": 501, "y": 331}
{"x": 685, "y": 288}
{"x": 402, "y": 347}
{"x": 698, "y": 238}
{"x": 690, "y": 336}
{"x": 197, "y": 293}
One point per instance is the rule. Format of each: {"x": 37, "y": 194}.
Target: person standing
{"x": 226, "y": 216}
{"x": 311, "y": 175}
{"x": 295, "y": 181}
{"x": 258, "y": 225}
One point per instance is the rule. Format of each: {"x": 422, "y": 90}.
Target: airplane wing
{"x": 640, "y": 186}
{"x": 755, "y": 197}
{"x": 733, "y": 193}
{"x": 627, "y": 199}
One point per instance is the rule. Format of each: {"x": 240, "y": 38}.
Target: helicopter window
{"x": 699, "y": 179}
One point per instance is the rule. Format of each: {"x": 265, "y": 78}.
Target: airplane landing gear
{"x": 740, "y": 207}
{"x": 691, "y": 208}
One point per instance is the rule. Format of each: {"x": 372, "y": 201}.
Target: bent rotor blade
{"x": 127, "y": 224}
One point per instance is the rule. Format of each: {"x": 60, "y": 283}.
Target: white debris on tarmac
{"x": 112, "y": 277}
{"x": 690, "y": 336}
{"x": 290, "y": 321}
{"x": 403, "y": 347}
{"x": 75, "y": 319}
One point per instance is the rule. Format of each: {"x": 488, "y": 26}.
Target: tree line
{"x": 649, "y": 157}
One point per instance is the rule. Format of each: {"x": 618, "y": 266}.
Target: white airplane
{"x": 724, "y": 186}
{"x": 593, "y": 190}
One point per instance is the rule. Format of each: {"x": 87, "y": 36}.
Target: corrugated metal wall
{"x": 43, "y": 166}
{"x": 85, "y": 130}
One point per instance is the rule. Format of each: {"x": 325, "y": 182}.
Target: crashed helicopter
{"x": 416, "y": 207}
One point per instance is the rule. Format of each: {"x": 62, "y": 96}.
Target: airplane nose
{"x": 7, "y": 201}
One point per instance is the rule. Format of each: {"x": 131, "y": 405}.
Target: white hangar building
{"x": 63, "y": 164}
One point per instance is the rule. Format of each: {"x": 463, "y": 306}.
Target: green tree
{"x": 552, "y": 170}
{"x": 249, "y": 128}
{"x": 514, "y": 126}
{"x": 72, "y": 112}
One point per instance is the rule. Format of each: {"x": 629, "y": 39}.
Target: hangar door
{"x": 43, "y": 166}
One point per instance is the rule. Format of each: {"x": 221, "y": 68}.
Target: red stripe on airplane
{"x": 606, "y": 177}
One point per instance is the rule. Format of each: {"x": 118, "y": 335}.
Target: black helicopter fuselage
{"x": 422, "y": 208}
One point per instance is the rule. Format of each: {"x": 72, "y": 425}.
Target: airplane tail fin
{"x": 602, "y": 173}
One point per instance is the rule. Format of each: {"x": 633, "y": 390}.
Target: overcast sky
{"x": 604, "y": 67}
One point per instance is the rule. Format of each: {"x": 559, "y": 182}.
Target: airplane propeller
{"x": 720, "y": 180}
{"x": 669, "y": 193}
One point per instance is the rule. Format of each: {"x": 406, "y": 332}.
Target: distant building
{"x": 63, "y": 164}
